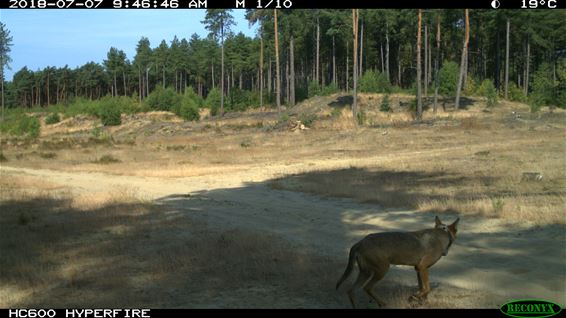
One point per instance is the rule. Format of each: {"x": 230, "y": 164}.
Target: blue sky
{"x": 74, "y": 37}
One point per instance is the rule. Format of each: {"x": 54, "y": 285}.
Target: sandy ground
{"x": 491, "y": 262}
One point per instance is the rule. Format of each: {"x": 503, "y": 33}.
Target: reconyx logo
{"x": 530, "y": 308}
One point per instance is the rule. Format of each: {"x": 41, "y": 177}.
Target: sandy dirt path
{"x": 492, "y": 260}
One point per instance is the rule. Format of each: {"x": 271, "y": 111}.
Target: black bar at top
{"x": 284, "y": 4}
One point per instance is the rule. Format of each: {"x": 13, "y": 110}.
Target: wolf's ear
{"x": 454, "y": 225}
{"x": 437, "y": 221}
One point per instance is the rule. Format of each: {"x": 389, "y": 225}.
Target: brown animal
{"x": 376, "y": 252}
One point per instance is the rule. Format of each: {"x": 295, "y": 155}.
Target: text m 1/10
{"x": 274, "y": 4}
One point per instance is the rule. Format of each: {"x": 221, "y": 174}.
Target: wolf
{"x": 375, "y": 253}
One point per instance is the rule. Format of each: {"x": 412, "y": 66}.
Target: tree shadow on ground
{"x": 257, "y": 247}
{"x": 342, "y": 101}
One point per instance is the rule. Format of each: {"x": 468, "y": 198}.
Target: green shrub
{"x": 106, "y": 159}
{"x": 164, "y": 99}
{"x": 497, "y": 204}
{"x": 336, "y": 112}
{"x": 471, "y": 86}
{"x": 385, "y": 107}
{"x": 238, "y": 100}
{"x": 329, "y": 90}
{"x": 301, "y": 93}
{"x": 213, "y": 101}
{"x": 30, "y": 126}
{"x": 3, "y": 158}
{"x": 81, "y": 105}
{"x": 189, "y": 109}
{"x": 561, "y": 102}
{"x": 516, "y": 94}
{"x": 561, "y": 83}
{"x": 283, "y": 118}
{"x": 372, "y": 82}
{"x": 246, "y": 143}
{"x": 109, "y": 112}
{"x": 361, "y": 117}
{"x": 543, "y": 88}
{"x": 190, "y": 93}
{"x": 48, "y": 155}
{"x": 307, "y": 119}
{"x": 127, "y": 105}
{"x": 413, "y": 105}
{"x": 313, "y": 89}
{"x": 448, "y": 78}
{"x": 20, "y": 124}
{"x": 53, "y": 118}
{"x": 487, "y": 90}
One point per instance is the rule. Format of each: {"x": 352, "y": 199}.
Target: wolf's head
{"x": 450, "y": 229}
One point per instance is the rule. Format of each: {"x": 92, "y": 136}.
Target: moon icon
{"x": 495, "y": 4}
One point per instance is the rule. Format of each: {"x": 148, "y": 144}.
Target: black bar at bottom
{"x": 162, "y": 313}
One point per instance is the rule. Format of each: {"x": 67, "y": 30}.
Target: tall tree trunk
{"x": 2, "y": 80}
{"x": 419, "y": 99}
{"x": 429, "y": 61}
{"x": 140, "y": 84}
{"x": 261, "y": 66}
{"x": 526, "y": 80}
{"x": 278, "y": 77}
{"x": 347, "y": 67}
{"x": 213, "y": 82}
{"x": 222, "y": 91}
{"x": 387, "y": 52}
{"x": 292, "y": 66}
{"x": 355, "y": 14}
{"x": 464, "y": 59}
{"x": 399, "y": 65}
{"x": 287, "y": 91}
{"x": 317, "y": 51}
{"x": 115, "y": 85}
{"x": 382, "y": 58}
{"x": 333, "y": 60}
{"x": 507, "y": 60}
{"x": 147, "y": 81}
{"x": 436, "y": 63}
{"x": 426, "y": 60}
{"x": 48, "y": 95}
{"x": 497, "y": 74}
{"x": 360, "y": 61}
{"x": 124, "y": 80}
{"x": 269, "y": 77}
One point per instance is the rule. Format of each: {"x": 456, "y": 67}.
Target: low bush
{"x": 53, "y": 118}
{"x": 164, "y": 99}
{"x": 385, "y": 107}
{"x": 372, "y": 82}
{"x": 20, "y": 124}
{"x": 487, "y": 90}
{"x": 109, "y": 112}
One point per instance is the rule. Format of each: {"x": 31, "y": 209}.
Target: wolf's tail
{"x": 350, "y": 266}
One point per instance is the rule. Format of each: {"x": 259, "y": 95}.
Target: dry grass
{"x": 436, "y": 165}
{"x": 115, "y": 249}
{"x": 462, "y": 181}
